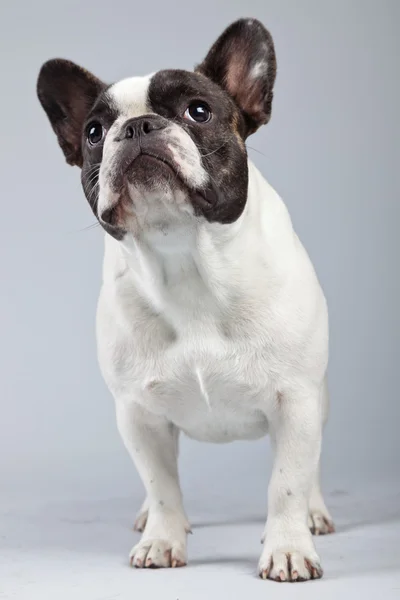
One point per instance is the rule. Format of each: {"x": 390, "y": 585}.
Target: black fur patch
{"x": 105, "y": 113}
{"x": 220, "y": 141}
{"x": 72, "y": 98}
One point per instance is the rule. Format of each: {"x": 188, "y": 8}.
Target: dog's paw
{"x": 163, "y": 542}
{"x": 289, "y": 566}
{"x": 320, "y": 522}
{"x": 158, "y": 553}
{"x": 284, "y": 559}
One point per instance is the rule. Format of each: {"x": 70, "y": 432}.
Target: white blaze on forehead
{"x": 130, "y": 99}
{"x": 130, "y": 96}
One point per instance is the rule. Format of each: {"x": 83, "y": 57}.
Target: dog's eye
{"x": 199, "y": 112}
{"x": 95, "y": 133}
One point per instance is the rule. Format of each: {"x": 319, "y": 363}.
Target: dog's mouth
{"x": 158, "y": 164}
{"x": 150, "y": 171}
{"x": 150, "y": 168}
{"x": 152, "y": 162}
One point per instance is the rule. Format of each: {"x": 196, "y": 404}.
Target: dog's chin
{"x": 153, "y": 195}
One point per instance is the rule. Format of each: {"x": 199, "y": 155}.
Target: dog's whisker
{"x": 214, "y": 151}
{"x": 89, "y": 227}
{"x": 255, "y": 150}
{"x": 92, "y": 199}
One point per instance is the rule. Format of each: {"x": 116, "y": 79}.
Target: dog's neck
{"x": 187, "y": 265}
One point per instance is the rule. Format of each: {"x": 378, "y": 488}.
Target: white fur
{"x": 130, "y": 96}
{"x": 219, "y": 331}
{"x": 260, "y": 68}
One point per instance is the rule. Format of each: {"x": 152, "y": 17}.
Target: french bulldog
{"x": 211, "y": 320}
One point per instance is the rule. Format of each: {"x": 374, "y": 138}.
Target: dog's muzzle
{"x": 144, "y": 156}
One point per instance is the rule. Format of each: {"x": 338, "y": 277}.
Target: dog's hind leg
{"x": 319, "y": 518}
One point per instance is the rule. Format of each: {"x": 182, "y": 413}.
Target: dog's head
{"x": 169, "y": 146}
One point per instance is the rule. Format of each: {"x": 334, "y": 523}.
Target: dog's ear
{"x": 67, "y": 92}
{"x": 243, "y": 62}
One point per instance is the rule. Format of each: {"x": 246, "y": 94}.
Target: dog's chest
{"x": 209, "y": 389}
{"x": 195, "y": 362}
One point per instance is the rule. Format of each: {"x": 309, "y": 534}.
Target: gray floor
{"x": 78, "y": 550}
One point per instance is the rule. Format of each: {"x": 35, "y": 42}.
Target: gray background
{"x": 331, "y": 150}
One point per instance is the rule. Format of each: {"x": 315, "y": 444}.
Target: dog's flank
{"x": 211, "y": 320}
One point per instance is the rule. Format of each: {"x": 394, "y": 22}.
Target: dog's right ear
{"x": 67, "y": 93}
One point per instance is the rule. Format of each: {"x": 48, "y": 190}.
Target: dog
{"x": 211, "y": 319}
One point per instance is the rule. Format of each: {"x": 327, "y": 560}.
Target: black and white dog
{"x": 211, "y": 320}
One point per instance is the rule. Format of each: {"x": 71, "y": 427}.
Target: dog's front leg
{"x": 295, "y": 426}
{"x": 151, "y": 442}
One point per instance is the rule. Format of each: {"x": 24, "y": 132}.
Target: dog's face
{"x": 169, "y": 147}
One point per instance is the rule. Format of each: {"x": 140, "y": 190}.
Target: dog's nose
{"x": 141, "y": 126}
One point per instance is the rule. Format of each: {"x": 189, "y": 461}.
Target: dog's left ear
{"x": 243, "y": 62}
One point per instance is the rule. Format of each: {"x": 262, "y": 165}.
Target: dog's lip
{"x": 157, "y": 157}
{"x": 205, "y": 198}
